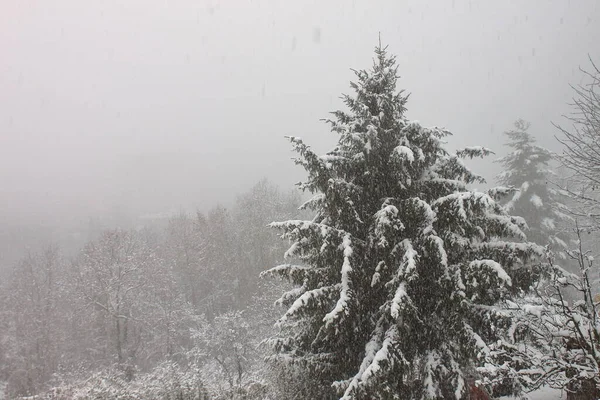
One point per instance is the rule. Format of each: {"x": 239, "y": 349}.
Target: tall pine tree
{"x": 398, "y": 272}
{"x": 526, "y": 169}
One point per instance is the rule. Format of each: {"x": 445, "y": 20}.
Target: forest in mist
{"x": 314, "y": 200}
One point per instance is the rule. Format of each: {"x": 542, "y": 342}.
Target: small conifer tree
{"x": 526, "y": 169}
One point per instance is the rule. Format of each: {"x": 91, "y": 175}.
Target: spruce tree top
{"x": 526, "y": 170}
{"x": 401, "y": 266}
{"x": 527, "y": 162}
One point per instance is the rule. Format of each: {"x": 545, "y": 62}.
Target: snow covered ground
{"x": 543, "y": 394}
{"x": 548, "y": 394}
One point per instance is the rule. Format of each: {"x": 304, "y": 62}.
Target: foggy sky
{"x": 142, "y": 106}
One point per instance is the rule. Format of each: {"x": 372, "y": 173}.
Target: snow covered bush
{"x": 398, "y": 273}
{"x": 223, "y": 347}
{"x": 167, "y": 381}
{"x": 557, "y": 340}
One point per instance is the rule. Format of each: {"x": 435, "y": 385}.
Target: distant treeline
{"x": 134, "y": 299}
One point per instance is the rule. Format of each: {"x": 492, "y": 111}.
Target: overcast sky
{"x": 141, "y": 106}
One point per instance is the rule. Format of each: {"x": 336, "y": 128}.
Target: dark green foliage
{"x": 400, "y": 267}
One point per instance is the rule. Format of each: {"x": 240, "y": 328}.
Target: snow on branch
{"x": 409, "y": 260}
{"x": 399, "y": 297}
{"x": 537, "y": 201}
{"x": 439, "y": 244}
{"x": 479, "y": 343}
{"x": 385, "y": 219}
{"x": 378, "y": 358}
{"x": 371, "y": 349}
{"x": 290, "y": 296}
{"x": 510, "y": 225}
{"x": 406, "y": 273}
{"x": 309, "y": 298}
{"x": 427, "y": 214}
{"x": 492, "y": 266}
{"x": 474, "y": 151}
{"x": 296, "y": 229}
{"x": 313, "y": 203}
{"x": 452, "y": 167}
{"x": 498, "y": 192}
{"x": 433, "y": 362}
{"x": 345, "y": 290}
{"x": 463, "y": 202}
{"x": 383, "y": 354}
{"x": 291, "y": 271}
{"x": 405, "y": 153}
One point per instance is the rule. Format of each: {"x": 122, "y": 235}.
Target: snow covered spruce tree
{"x": 400, "y": 268}
{"x": 526, "y": 170}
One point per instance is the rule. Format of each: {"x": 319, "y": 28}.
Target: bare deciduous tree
{"x": 559, "y": 339}
{"x": 581, "y": 141}
{"x": 32, "y": 319}
{"x": 110, "y": 277}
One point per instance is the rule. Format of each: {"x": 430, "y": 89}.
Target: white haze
{"x": 125, "y": 108}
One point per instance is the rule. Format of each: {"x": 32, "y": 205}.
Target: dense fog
{"x": 159, "y": 127}
{"x": 118, "y": 110}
